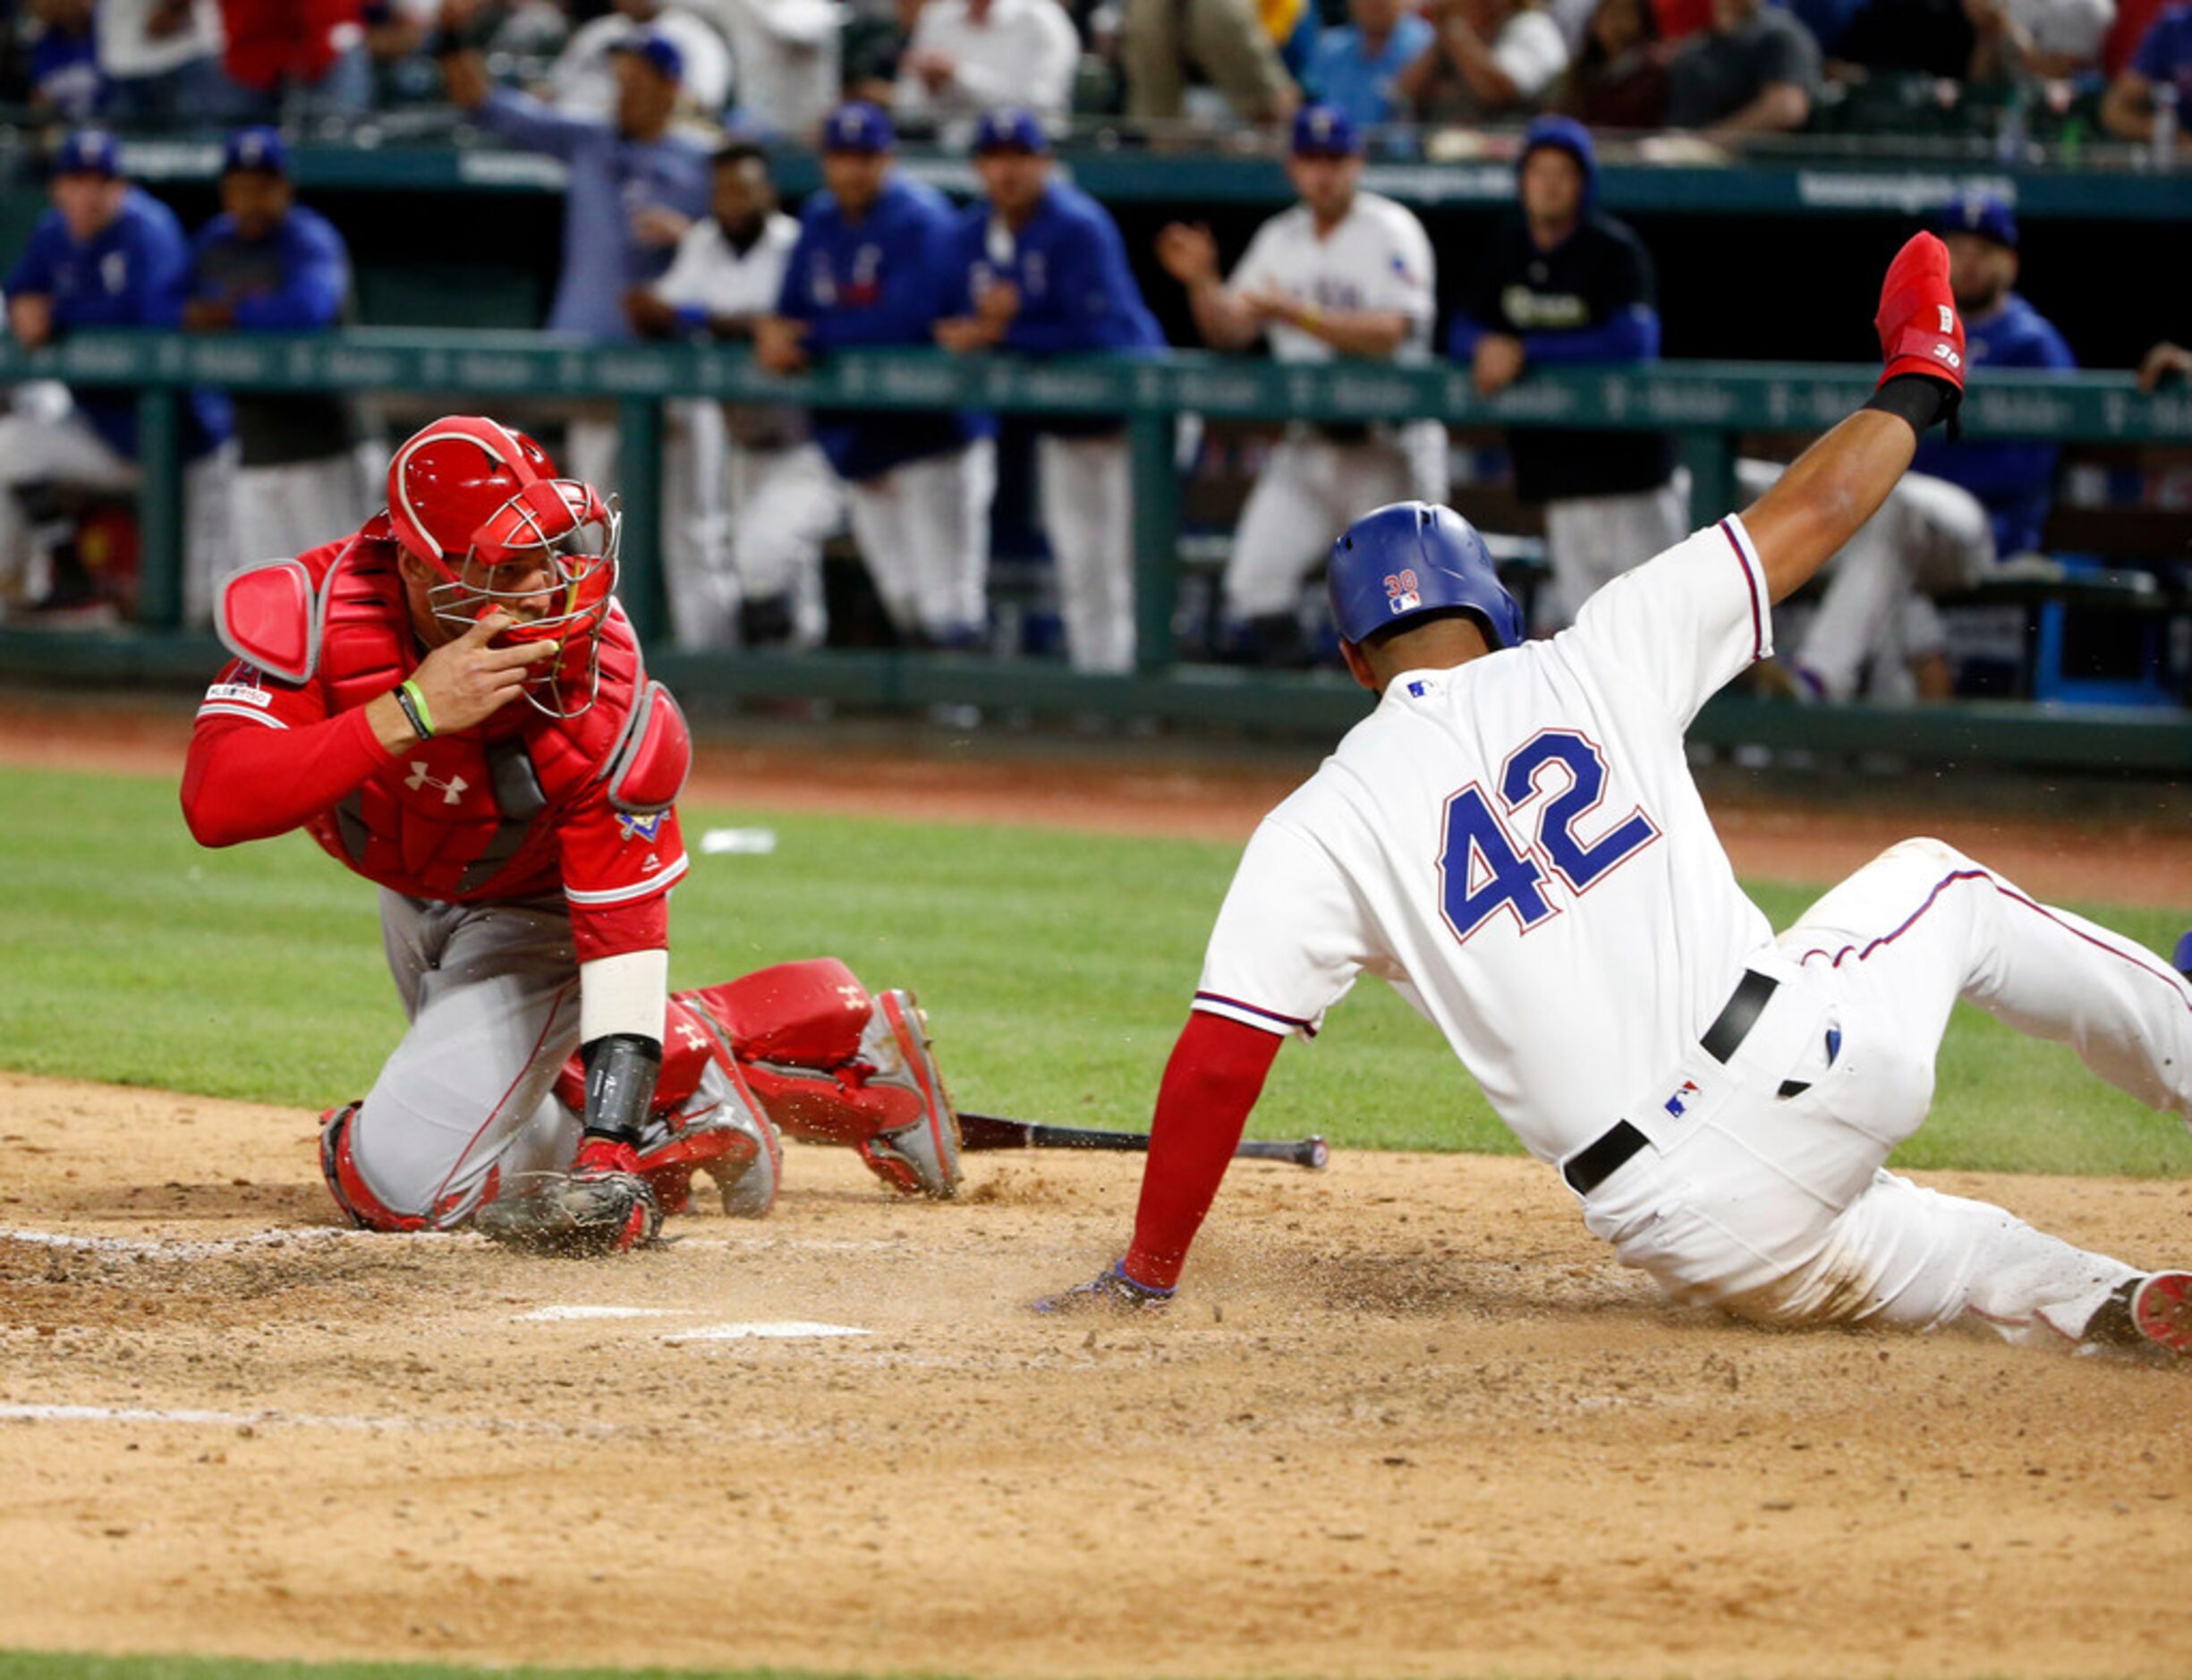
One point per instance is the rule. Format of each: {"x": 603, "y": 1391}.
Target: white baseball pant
{"x": 1312, "y": 490}
{"x": 1590, "y": 541}
{"x": 1929, "y": 538}
{"x": 1779, "y": 1208}
{"x": 785, "y": 503}
{"x": 923, "y": 529}
{"x": 696, "y": 581}
{"x": 63, "y": 448}
{"x": 280, "y": 512}
{"x": 1087, "y": 494}
{"x": 466, "y": 1101}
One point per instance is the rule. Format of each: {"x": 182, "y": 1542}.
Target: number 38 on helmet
{"x": 482, "y": 506}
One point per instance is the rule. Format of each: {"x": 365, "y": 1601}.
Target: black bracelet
{"x": 419, "y": 725}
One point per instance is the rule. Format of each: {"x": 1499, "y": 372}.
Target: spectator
{"x": 306, "y": 58}
{"x": 1754, "y": 71}
{"x": 1357, "y": 65}
{"x": 2014, "y": 478}
{"x": 789, "y": 53}
{"x": 1620, "y": 79}
{"x": 869, "y": 270}
{"x": 64, "y": 60}
{"x": 971, "y": 55}
{"x": 2164, "y": 61}
{"x": 634, "y": 189}
{"x": 1562, "y": 283}
{"x": 1160, "y": 41}
{"x": 267, "y": 265}
{"x": 757, "y": 579}
{"x": 1490, "y": 59}
{"x": 2016, "y": 39}
{"x": 106, "y": 254}
{"x": 585, "y": 80}
{"x": 162, "y": 60}
{"x": 1343, "y": 273}
{"x": 1040, "y": 269}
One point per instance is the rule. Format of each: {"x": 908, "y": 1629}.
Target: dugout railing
{"x": 1708, "y": 407}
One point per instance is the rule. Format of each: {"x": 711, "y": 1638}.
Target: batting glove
{"x": 1111, "y": 1291}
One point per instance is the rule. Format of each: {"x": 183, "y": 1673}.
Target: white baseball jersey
{"x": 1517, "y": 846}
{"x": 1377, "y": 258}
{"x": 710, "y": 273}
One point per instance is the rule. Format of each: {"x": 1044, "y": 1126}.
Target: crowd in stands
{"x": 669, "y": 239}
{"x": 1409, "y": 69}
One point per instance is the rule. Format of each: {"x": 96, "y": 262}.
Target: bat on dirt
{"x": 983, "y": 1132}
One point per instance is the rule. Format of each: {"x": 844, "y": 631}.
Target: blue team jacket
{"x": 292, "y": 281}
{"x": 2015, "y": 479}
{"x": 132, "y": 273}
{"x": 1077, "y": 293}
{"x": 875, "y": 283}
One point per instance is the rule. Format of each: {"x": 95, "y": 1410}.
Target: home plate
{"x": 785, "y": 1330}
{"x": 562, "y": 1315}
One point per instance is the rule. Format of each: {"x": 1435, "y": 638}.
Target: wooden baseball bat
{"x": 980, "y": 1132}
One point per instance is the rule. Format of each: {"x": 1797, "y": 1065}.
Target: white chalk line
{"x": 584, "y": 1314}
{"x": 200, "y": 1248}
{"x": 26, "y": 1413}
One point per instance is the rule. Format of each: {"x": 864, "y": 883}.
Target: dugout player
{"x": 870, "y": 269}
{"x": 748, "y": 498}
{"x": 1343, "y": 273}
{"x": 105, "y": 254}
{"x": 1040, "y": 269}
{"x": 266, "y": 263}
{"x": 1562, "y": 283}
{"x": 2014, "y": 478}
{"x": 1513, "y": 840}
{"x": 451, "y": 704}
{"x": 635, "y": 186}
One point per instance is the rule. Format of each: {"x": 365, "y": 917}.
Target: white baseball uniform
{"x": 1516, "y": 846}
{"x": 748, "y": 500}
{"x": 1318, "y": 479}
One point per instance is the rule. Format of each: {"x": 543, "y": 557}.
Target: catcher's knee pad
{"x": 338, "y": 1166}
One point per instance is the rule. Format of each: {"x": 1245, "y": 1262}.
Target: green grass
{"x": 60, "y": 1666}
{"x": 1057, "y": 968}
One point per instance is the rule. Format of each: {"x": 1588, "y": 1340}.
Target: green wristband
{"x": 413, "y": 702}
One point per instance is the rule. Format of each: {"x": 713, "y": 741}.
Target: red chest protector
{"x": 462, "y": 817}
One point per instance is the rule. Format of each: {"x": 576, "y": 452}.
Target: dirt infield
{"x": 1408, "y": 1420}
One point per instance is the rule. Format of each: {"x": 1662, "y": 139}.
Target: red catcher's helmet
{"x": 471, "y": 497}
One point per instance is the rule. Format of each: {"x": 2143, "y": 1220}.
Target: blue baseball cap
{"x": 1562, "y": 133}
{"x": 258, "y": 151}
{"x": 1011, "y": 129}
{"x": 657, "y": 48}
{"x": 89, "y": 152}
{"x": 1982, "y": 213}
{"x": 1325, "y": 130}
{"x": 858, "y": 126}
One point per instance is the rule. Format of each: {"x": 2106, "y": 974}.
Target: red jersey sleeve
{"x": 617, "y": 870}
{"x": 266, "y": 757}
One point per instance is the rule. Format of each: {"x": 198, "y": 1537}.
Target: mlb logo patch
{"x": 1402, "y": 593}
{"x": 640, "y": 827}
{"x": 1678, "y": 1104}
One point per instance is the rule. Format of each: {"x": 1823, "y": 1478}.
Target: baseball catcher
{"x": 451, "y": 702}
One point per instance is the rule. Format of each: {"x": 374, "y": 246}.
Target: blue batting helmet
{"x": 1408, "y": 558}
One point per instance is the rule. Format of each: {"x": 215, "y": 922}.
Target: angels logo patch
{"x": 640, "y": 827}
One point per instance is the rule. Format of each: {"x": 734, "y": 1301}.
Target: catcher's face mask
{"x": 548, "y": 559}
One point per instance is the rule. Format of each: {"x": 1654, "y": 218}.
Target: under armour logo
{"x": 452, "y": 790}
{"x": 695, "y": 1039}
